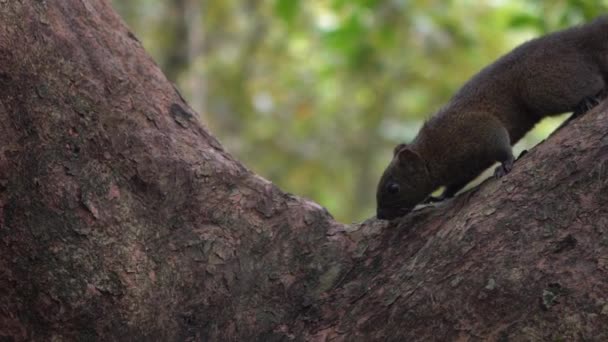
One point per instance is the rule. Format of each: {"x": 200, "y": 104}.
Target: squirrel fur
{"x": 561, "y": 72}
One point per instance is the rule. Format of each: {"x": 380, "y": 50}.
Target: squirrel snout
{"x": 391, "y": 213}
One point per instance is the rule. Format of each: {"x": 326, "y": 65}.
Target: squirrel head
{"x": 405, "y": 183}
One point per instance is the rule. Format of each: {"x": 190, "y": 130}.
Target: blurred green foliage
{"x": 314, "y": 94}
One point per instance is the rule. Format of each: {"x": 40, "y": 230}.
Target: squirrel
{"x": 560, "y": 72}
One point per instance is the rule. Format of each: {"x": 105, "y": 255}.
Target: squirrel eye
{"x": 393, "y": 188}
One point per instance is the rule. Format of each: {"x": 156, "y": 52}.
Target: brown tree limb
{"x": 122, "y": 218}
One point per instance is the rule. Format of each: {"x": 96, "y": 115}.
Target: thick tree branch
{"x": 121, "y": 217}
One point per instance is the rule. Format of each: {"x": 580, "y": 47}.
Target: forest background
{"x": 313, "y": 95}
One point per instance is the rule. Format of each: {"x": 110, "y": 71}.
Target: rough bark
{"x": 122, "y": 218}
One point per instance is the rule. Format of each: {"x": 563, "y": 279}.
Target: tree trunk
{"x": 122, "y": 218}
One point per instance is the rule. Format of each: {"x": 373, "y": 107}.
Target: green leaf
{"x": 287, "y": 9}
{"x": 346, "y": 37}
{"x": 524, "y": 20}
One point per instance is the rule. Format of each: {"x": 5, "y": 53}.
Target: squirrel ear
{"x": 408, "y": 157}
{"x": 398, "y": 148}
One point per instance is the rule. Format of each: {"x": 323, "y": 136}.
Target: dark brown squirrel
{"x": 561, "y": 72}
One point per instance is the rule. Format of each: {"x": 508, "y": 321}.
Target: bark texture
{"x": 122, "y": 218}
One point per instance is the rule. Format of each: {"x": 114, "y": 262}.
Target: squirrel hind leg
{"x": 583, "y": 107}
{"x": 587, "y": 104}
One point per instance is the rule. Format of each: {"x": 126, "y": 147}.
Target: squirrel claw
{"x": 503, "y": 169}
